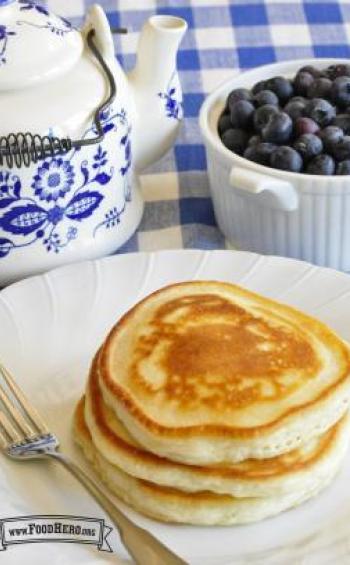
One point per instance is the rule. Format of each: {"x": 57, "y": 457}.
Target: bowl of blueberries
{"x": 278, "y": 151}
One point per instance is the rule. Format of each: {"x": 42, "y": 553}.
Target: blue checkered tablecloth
{"x": 224, "y": 37}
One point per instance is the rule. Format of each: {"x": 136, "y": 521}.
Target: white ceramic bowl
{"x": 271, "y": 211}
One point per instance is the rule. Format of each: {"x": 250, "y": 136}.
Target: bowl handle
{"x": 272, "y": 192}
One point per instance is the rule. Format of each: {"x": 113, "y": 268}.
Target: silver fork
{"x": 24, "y": 435}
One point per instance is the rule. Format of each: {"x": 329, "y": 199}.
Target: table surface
{"x": 223, "y": 38}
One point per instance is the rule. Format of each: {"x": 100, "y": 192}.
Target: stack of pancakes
{"x": 208, "y": 404}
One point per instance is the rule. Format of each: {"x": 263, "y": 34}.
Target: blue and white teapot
{"x": 75, "y": 130}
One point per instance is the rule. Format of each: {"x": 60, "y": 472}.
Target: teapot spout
{"x": 156, "y": 88}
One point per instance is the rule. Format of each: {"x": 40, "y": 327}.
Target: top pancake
{"x": 208, "y": 372}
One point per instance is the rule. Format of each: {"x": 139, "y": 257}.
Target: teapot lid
{"x": 35, "y": 44}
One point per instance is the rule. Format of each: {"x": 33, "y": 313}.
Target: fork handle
{"x": 142, "y": 546}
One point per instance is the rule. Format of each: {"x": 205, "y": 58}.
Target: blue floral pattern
{"x": 5, "y": 33}
{"x": 173, "y": 104}
{"x": 65, "y": 192}
{"x": 113, "y": 216}
{"x": 125, "y": 168}
{"x": 25, "y": 5}
{"x": 53, "y": 179}
{"x": 62, "y": 30}
{"x": 55, "y": 24}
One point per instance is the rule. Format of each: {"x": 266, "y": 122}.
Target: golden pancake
{"x": 208, "y": 372}
{"x": 292, "y": 471}
{"x": 206, "y": 508}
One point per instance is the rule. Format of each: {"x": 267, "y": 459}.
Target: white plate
{"x": 51, "y": 325}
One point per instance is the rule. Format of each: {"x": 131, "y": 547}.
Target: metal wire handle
{"x": 17, "y": 149}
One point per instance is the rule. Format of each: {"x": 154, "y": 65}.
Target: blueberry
{"x": 295, "y": 107}
{"x": 262, "y": 115}
{"x": 260, "y": 153}
{"x": 254, "y": 140}
{"x": 235, "y": 139}
{"x": 331, "y": 135}
{"x": 321, "y": 165}
{"x": 224, "y": 123}
{"x": 302, "y": 83}
{"x": 259, "y": 86}
{"x": 242, "y": 114}
{"x": 238, "y": 94}
{"x": 300, "y": 99}
{"x": 320, "y": 110}
{"x": 341, "y": 91}
{"x": 320, "y": 88}
{"x": 316, "y": 73}
{"x": 278, "y": 129}
{"x": 305, "y": 125}
{"x": 266, "y": 97}
{"x": 286, "y": 159}
{"x": 308, "y": 146}
{"x": 341, "y": 150}
{"x": 335, "y": 71}
{"x": 342, "y": 121}
{"x": 343, "y": 168}
{"x": 282, "y": 87}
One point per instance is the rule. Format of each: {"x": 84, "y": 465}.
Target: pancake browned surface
{"x": 206, "y": 508}
{"x": 208, "y": 372}
{"x": 293, "y": 471}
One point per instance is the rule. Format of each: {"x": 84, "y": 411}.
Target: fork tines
{"x": 19, "y": 421}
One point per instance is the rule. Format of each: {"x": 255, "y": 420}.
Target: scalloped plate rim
{"x": 108, "y": 265}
